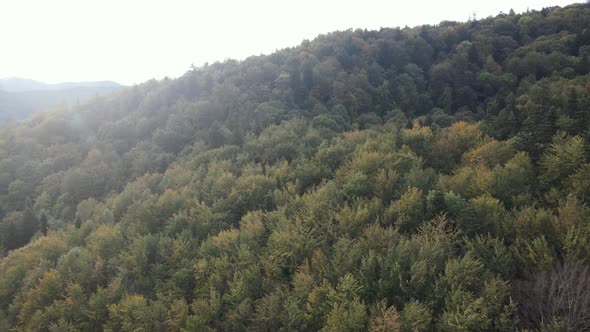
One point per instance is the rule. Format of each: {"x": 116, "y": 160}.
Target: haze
{"x": 133, "y": 41}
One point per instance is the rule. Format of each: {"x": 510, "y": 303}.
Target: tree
{"x": 11, "y": 236}
{"x": 557, "y": 297}
{"x": 215, "y": 136}
{"x": 540, "y": 123}
{"x": 384, "y": 319}
{"x": 30, "y": 221}
{"x": 574, "y": 112}
{"x": 415, "y": 317}
{"x": 580, "y": 116}
{"x": 43, "y": 227}
{"x": 134, "y": 312}
{"x": 579, "y": 183}
{"x": 452, "y": 142}
{"x": 514, "y": 182}
{"x": 408, "y": 212}
{"x": 484, "y": 214}
{"x": 48, "y": 289}
{"x": 561, "y": 159}
{"x": 348, "y": 312}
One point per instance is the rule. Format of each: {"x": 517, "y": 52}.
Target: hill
{"x": 416, "y": 179}
{"x": 15, "y": 84}
{"x": 19, "y": 97}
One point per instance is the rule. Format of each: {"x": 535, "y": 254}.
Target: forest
{"x": 433, "y": 178}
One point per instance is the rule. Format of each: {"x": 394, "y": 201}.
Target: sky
{"x": 131, "y": 41}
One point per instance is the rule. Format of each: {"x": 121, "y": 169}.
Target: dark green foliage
{"x": 540, "y": 123}
{"x": 412, "y": 179}
{"x": 43, "y": 224}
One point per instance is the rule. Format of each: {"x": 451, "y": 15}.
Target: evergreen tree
{"x": 540, "y": 123}
{"x": 43, "y": 223}
{"x": 30, "y": 223}
{"x": 11, "y": 236}
{"x": 581, "y": 116}
{"x": 578, "y": 110}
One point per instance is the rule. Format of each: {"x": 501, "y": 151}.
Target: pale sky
{"x": 131, "y": 41}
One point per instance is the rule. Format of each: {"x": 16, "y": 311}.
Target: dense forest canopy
{"x": 427, "y": 178}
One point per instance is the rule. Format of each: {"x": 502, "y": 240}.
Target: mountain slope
{"x": 432, "y": 178}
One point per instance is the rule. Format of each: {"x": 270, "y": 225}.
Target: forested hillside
{"x": 416, "y": 179}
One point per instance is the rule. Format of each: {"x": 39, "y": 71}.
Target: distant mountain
{"x": 21, "y": 97}
{"x": 16, "y": 84}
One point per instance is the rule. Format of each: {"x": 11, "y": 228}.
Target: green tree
{"x": 407, "y": 213}
{"x": 43, "y": 227}
{"x": 540, "y": 123}
{"x": 134, "y": 313}
{"x": 562, "y": 158}
{"x": 348, "y": 312}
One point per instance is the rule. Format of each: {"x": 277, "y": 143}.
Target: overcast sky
{"x": 131, "y": 41}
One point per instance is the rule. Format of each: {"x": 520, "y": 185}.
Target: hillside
{"x": 416, "y": 179}
{"x": 19, "y": 97}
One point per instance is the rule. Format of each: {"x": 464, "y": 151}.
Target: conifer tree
{"x": 30, "y": 223}
{"x": 43, "y": 223}
{"x": 540, "y": 123}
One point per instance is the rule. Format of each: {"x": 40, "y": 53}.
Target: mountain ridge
{"x": 17, "y": 84}
{"x": 19, "y": 98}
